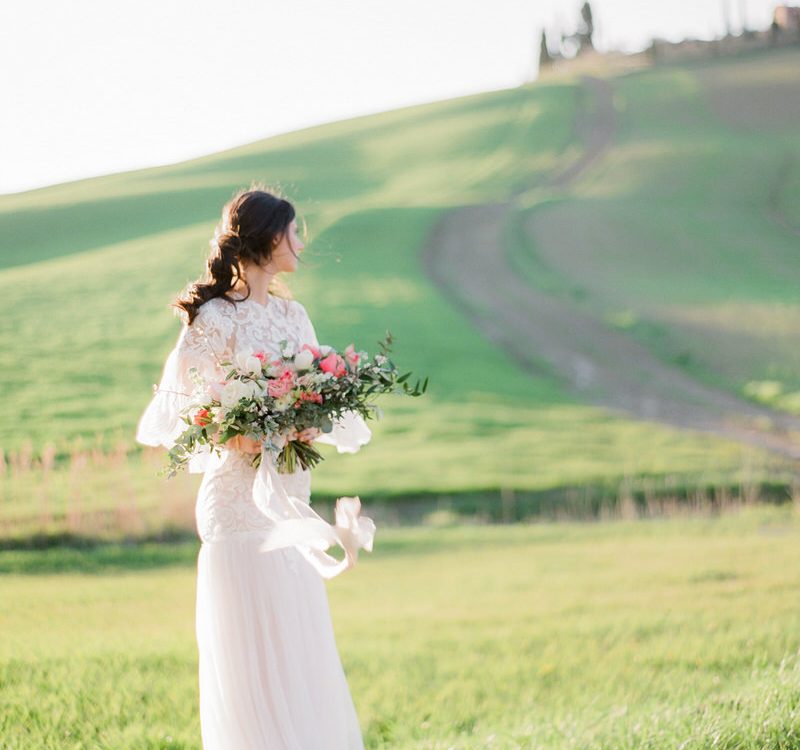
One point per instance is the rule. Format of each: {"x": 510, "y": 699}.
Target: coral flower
{"x": 201, "y": 417}
{"x": 333, "y": 363}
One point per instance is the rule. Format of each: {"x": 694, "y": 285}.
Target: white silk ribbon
{"x": 296, "y": 523}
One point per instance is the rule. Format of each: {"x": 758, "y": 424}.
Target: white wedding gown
{"x": 270, "y": 676}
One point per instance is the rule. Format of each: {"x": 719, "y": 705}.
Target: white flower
{"x": 303, "y": 360}
{"x": 247, "y": 363}
{"x": 232, "y": 392}
{"x": 325, "y": 350}
{"x": 253, "y": 365}
{"x": 251, "y": 389}
{"x": 275, "y": 370}
{"x": 284, "y": 402}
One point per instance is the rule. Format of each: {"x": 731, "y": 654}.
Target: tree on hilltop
{"x": 545, "y": 58}
{"x": 586, "y": 31}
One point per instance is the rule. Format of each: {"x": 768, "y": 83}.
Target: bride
{"x": 270, "y": 676}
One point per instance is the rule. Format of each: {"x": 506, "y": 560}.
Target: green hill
{"x": 88, "y": 269}
{"x": 687, "y": 233}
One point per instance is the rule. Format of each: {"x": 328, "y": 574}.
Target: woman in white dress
{"x": 270, "y": 676}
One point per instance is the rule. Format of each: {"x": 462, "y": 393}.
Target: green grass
{"x": 87, "y": 272}
{"x": 601, "y": 636}
{"x": 612, "y": 635}
{"x": 671, "y": 233}
{"x": 370, "y": 189}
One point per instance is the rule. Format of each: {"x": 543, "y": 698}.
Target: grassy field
{"x": 109, "y": 495}
{"x": 685, "y": 234}
{"x": 672, "y": 632}
{"x": 617, "y": 635}
{"x": 87, "y": 271}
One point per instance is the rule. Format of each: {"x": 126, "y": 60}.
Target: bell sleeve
{"x": 203, "y": 344}
{"x": 350, "y": 431}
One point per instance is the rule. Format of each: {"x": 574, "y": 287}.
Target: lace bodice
{"x": 220, "y": 332}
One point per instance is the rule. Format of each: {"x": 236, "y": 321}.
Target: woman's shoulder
{"x": 297, "y": 310}
{"x": 215, "y": 314}
{"x": 220, "y": 308}
{"x": 214, "y": 307}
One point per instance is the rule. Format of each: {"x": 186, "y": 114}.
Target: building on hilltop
{"x": 787, "y": 17}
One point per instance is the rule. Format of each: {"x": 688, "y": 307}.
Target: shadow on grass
{"x": 412, "y": 526}
{"x": 99, "y": 557}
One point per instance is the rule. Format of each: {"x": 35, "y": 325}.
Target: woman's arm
{"x": 248, "y": 445}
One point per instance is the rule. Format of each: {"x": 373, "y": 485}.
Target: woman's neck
{"x": 259, "y": 287}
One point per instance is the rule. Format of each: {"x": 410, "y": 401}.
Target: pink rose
{"x": 333, "y": 363}
{"x": 278, "y": 387}
{"x": 280, "y": 368}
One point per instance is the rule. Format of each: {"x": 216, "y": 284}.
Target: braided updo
{"x": 253, "y": 223}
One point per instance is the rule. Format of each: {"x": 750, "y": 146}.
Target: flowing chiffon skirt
{"x": 270, "y": 672}
{"x": 270, "y": 675}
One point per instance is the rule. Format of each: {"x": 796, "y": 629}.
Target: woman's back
{"x": 221, "y": 332}
{"x": 270, "y": 674}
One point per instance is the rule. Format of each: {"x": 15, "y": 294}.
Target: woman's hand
{"x": 304, "y": 436}
{"x": 244, "y": 444}
{"x": 247, "y": 445}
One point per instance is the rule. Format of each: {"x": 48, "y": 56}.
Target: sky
{"x": 92, "y": 87}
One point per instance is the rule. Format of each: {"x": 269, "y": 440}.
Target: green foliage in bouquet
{"x": 270, "y": 400}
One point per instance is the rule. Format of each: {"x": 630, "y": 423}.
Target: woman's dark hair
{"x": 253, "y": 222}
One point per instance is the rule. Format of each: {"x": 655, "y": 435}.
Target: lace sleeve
{"x": 350, "y": 431}
{"x": 205, "y": 343}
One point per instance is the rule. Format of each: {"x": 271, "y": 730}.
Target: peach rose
{"x": 334, "y": 364}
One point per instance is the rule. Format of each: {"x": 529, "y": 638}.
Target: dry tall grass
{"x": 115, "y": 492}
{"x": 92, "y": 493}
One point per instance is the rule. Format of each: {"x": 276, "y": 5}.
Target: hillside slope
{"x": 576, "y": 261}
{"x": 686, "y": 234}
{"x": 88, "y": 269}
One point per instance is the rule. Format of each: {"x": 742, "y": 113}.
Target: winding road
{"x": 546, "y": 334}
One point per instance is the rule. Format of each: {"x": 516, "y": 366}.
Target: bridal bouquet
{"x": 271, "y": 399}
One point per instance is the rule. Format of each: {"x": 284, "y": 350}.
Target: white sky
{"x": 92, "y": 87}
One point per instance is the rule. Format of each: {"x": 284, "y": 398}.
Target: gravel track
{"x": 545, "y": 334}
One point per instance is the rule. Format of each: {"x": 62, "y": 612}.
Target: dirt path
{"x": 543, "y": 333}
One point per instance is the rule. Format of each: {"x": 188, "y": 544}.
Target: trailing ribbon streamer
{"x": 296, "y": 523}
